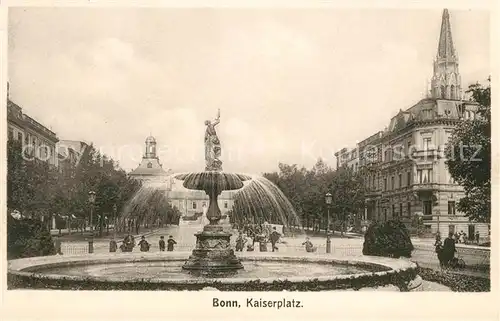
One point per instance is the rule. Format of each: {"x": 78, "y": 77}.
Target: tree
{"x": 468, "y": 156}
{"x": 348, "y": 190}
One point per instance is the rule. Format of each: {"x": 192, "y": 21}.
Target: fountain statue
{"x": 213, "y": 253}
{"x": 212, "y": 146}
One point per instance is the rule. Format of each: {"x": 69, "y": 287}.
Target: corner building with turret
{"x": 406, "y": 175}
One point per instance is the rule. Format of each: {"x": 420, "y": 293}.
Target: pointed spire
{"x": 446, "y": 48}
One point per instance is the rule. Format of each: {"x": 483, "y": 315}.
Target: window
{"x": 427, "y": 143}
{"x": 427, "y": 209}
{"x": 385, "y": 184}
{"x": 150, "y": 165}
{"x": 408, "y": 209}
{"x": 11, "y": 134}
{"x": 373, "y": 183}
{"x": 408, "y": 148}
{"x": 225, "y": 204}
{"x": 400, "y": 180}
{"x": 394, "y": 210}
{"x": 424, "y": 176}
{"x": 451, "y": 208}
{"x": 443, "y": 92}
{"x": 408, "y": 178}
{"x": 392, "y": 183}
{"x": 194, "y": 205}
{"x": 400, "y": 209}
{"x": 20, "y": 137}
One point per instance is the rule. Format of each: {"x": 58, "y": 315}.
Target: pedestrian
{"x": 240, "y": 242}
{"x": 57, "y": 245}
{"x": 143, "y": 244}
{"x": 477, "y": 237}
{"x": 112, "y": 245}
{"x": 438, "y": 237}
{"x": 309, "y": 246}
{"x": 462, "y": 237}
{"x": 171, "y": 242}
{"x": 275, "y": 236}
{"x": 448, "y": 251}
{"x": 161, "y": 243}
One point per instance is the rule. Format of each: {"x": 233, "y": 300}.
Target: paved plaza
{"x": 476, "y": 258}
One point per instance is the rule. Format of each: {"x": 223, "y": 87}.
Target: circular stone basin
{"x": 163, "y": 271}
{"x": 219, "y": 181}
{"x": 173, "y": 270}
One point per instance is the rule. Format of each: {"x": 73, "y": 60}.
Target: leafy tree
{"x": 468, "y": 156}
{"x": 348, "y": 191}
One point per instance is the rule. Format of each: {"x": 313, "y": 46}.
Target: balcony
{"x": 372, "y": 193}
{"x": 423, "y": 187}
{"x": 426, "y": 154}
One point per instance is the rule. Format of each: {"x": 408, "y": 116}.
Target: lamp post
{"x": 114, "y": 220}
{"x": 328, "y": 201}
{"x": 91, "y": 202}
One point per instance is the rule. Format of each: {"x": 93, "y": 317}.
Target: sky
{"x": 292, "y": 85}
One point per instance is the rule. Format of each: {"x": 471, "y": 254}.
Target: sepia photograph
{"x": 248, "y": 149}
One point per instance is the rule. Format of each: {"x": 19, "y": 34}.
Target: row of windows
{"x": 426, "y": 207}
{"x": 39, "y": 148}
{"x": 194, "y": 205}
{"x": 399, "y": 183}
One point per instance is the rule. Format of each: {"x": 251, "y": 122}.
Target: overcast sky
{"x": 292, "y": 85}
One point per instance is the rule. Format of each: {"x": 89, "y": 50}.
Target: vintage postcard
{"x": 267, "y": 161}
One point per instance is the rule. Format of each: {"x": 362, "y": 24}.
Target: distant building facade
{"x": 189, "y": 202}
{"x": 38, "y": 141}
{"x": 404, "y": 165}
{"x": 150, "y": 169}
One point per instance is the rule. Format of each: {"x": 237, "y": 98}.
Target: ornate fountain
{"x": 213, "y": 253}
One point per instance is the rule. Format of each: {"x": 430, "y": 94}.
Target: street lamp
{"x": 91, "y": 202}
{"x": 114, "y": 220}
{"x": 328, "y": 201}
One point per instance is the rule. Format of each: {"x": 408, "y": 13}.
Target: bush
{"x": 28, "y": 238}
{"x": 390, "y": 239}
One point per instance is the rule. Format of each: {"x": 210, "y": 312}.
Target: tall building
{"x": 38, "y": 141}
{"x": 404, "y": 165}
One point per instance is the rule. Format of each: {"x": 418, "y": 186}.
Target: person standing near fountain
{"x": 275, "y": 236}
{"x": 171, "y": 242}
{"x": 212, "y": 146}
{"x": 144, "y": 245}
{"x": 161, "y": 243}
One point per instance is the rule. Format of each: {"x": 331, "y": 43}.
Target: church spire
{"x": 446, "y": 81}
{"x": 446, "y": 48}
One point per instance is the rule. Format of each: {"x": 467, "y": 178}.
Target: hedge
{"x": 456, "y": 282}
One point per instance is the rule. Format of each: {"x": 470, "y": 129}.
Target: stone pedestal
{"x": 213, "y": 254}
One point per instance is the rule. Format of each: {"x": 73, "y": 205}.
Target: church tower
{"x": 150, "y": 168}
{"x": 446, "y": 81}
{"x": 150, "y": 147}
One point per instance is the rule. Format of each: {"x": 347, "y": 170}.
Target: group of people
{"x": 462, "y": 237}
{"x": 252, "y": 237}
{"x": 128, "y": 244}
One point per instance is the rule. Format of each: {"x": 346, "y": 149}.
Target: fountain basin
{"x": 213, "y": 181}
{"x": 332, "y": 273}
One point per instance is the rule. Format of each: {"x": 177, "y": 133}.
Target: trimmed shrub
{"x": 390, "y": 239}
{"x": 28, "y": 238}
